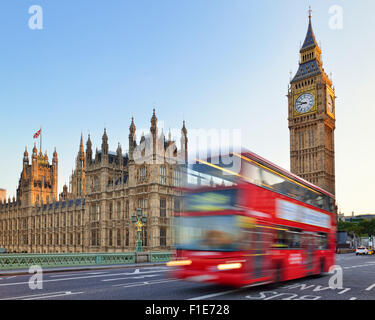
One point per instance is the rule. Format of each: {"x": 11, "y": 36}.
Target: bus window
{"x": 244, "y": 241}
{"x": 281, "y": 240}
{"x": 323, "y": 241}
{"x": 251, "y": 173}
{"x": 272, "y": 180}
{"x": 328, "y": 203}
{"x": 294, "y": 238}
{"x": 288, "y": 238}
{"x": 205, "y": 175}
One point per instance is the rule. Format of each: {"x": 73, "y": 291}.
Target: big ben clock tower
{"x": 311, "y": 117}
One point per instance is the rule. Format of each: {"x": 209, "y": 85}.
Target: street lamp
{"x": 139, "y": 220}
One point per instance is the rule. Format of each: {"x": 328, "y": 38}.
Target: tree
{"x": 359, "y": 229}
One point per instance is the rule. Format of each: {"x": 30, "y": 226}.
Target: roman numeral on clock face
{"x": 304, "y": 103}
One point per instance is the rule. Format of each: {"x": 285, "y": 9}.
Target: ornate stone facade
{"x": 311, "y": 117}
{"x": 106, "y": 188}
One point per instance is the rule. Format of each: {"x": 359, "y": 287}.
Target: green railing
{"x": 160, "y": 256}
{"x": 23, "y": 261}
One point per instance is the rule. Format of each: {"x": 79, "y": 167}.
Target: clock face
{"x": 304, "y": 103}
{"x": 330, "y": 104}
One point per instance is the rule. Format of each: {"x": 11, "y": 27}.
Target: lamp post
{"x": 139, "y": 220}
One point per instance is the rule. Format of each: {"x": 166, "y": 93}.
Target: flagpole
{"x": 40, "y": 141}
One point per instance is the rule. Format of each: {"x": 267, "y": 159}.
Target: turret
{"x": 105, "y": 143}
{"x": 154, "y": 134}
{"x": 25, "y": 157}
{"x": 88, "y": 151}
{"x": 96, "y": 155}
{"x": 154, "y": 123}
{"x": 119, "y": 154}
{"x": 35, "y": 153}
{"x": 132, "y": 142}
{"x": 184, "y": 143}
{"x": 54, "y": 159}
{"x": 81, "y": 158}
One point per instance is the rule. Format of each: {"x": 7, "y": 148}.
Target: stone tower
{"x": 38, "y": 181}
{"x": 311, "y": 117}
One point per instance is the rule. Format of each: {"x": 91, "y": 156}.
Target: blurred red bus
{"x": 256, "y": 223}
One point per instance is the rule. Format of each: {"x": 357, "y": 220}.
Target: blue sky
{"x": 214, "y": 63}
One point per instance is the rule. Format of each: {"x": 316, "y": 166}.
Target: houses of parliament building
{"x": 106, "y": 189}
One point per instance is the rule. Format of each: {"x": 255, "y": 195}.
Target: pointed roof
{"x": 310, "y": 41}
{"x": 154, "y": 120}
{"x": 132, "y": 127}
{"x": 88, "y": 143}
{"x": 25, "y": 154}
{"x": 35, "y": 150}
{"x": 312, "y": 67}
{"x": 183, "y": 130}
{"x": 81, "y": 148}
{"x": 81, "y": 142}
{"x": 119, "y": 149}
{"x": 105, "y": 137}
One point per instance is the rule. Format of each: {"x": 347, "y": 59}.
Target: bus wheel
{"x": 321, "y": 271}
{"x": 321, "y": 268}
{"x": 277, "y": 277}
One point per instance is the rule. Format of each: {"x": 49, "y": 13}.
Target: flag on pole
{"x": 37, "y": 134}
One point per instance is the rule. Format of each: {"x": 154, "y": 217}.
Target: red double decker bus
{"x": 252, "y": 223}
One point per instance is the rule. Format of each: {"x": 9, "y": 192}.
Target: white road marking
{"x": 361, "y": 265}
{"x": 137, "y": 277}
{"x": 353, "y": 298}
{"x": 144, "y": 283}
{"x": 42, "y": 295}
{"x": 66, "y": 275}
{"x": 343, "y": 291}
{"x": 370, "y": 287}
{"x": 56, "y": 295}
{"x": 76, "y": 273}
{"x": 83, "y": 277}
{"x": 160, "y": 268}
{"x": 96, "y": 272}
{"x": 226, "y": 292}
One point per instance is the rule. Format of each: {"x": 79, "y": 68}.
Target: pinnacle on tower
{"x": 35, "y": 150}
{"x": 105, "y": 143}
{"x": 88, "y": 143}
{"x": 81, "y": 148}
{"x": 154, "y": 122}
{"x": 132, "y": 127}
{"x": 183, "y": 130}
{"x": 310, "y": 63}
{"x": 119, "y": 149}
{"x": 105, "y": 137}
{"x": 310, "y": 40}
